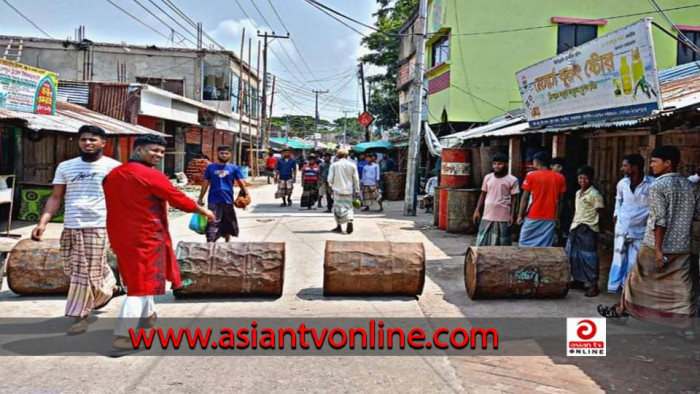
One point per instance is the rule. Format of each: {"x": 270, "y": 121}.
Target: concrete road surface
{"x": 305, "y": 233}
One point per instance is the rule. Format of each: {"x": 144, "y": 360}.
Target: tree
{"x": 384, "y": 47}
{"x": 355, "y": 132}
{"x": 300, "y": 125}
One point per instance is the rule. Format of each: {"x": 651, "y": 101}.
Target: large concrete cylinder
{"x": 461, "y": 204}
{"x": 239, "y": 268}
{"x": 36, "y": 268}
{"x": 373, "y": 268}
{"x": 515, "y": 272}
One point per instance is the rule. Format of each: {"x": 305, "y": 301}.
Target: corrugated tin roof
{"x": 76, "y": 92}
{"x": 682, "y": 71}
{"x": 70, "y": 117}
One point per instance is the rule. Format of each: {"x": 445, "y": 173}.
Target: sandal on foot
{"x": 610, "y": 312}
{"x": 120, "y": 291}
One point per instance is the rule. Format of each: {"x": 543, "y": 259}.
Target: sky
{"x": 321, "y": 55}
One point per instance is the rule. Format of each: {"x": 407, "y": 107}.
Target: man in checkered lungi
{"x": 84, "y": 239}
{"x": 285, "y": 174}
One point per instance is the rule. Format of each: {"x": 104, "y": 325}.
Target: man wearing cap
{"x": 78, "y": 183}
{"x": 221, "y": 176}
{"x": 343, "y": 178}
{"x": 285, "y": 174}
{"x": 137, "y": 197}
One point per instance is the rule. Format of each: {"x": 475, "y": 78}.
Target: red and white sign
{"x": 585, "y": 337}
{"x": 365, "y": 119}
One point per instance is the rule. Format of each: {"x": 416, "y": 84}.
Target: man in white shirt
{"x": 343, "y": 179}
{"x": 631, "y": 213}
{"x": 84, "y": 239}
{"x": 429, "y": 197}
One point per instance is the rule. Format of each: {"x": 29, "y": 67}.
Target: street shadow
{"x": 215, "y": 298}
{"x": 9, "y": 296}
{"x": 316, "y": 294}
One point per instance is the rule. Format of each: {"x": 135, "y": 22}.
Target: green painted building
{"x": 475, "y": 47}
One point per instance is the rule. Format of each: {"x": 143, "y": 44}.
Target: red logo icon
{"x": 586, "y": 330}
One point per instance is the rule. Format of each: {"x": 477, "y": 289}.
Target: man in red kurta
{"x": 137, "y": 197}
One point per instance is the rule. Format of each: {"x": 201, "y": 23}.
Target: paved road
{"x": 305, "y": 234}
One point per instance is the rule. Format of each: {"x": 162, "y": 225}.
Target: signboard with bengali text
{"x": 610, "y": 78}
{"x": 27, "y": 89}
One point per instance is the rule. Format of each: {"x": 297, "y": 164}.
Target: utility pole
{"x": 286, "y": 130}
{"x": 364, "y": 97}
{"x": 345, "y": 126}
{"x": 409, "y": 205}
{"x": 316, "y": 121}
{"x": 263, "y": 116}
{"x": 240, "y": 103}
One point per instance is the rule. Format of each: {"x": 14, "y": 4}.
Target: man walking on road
{"x": 270, "y": 165}
{"x": 546, "y": 188}
{"x": 285, "y": 175}
{"x": 661, "y": 286}
{"x": 137, "y": 198}
{"x": 631, "y": 213}
{"x": 499, "y": 195}
{"x": 343, "y": 178}
{"x": 84, "y": 239}
{"x": 221, "y": 176}
{"x": 371, "y": 174}
{"x": 325, "y": 188}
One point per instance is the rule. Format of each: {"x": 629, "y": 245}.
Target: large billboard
{"x": 27, "y": 89}
{"x": 611, "y": 77}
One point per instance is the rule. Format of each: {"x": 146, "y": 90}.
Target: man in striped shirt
{"x": 84, "y": 245}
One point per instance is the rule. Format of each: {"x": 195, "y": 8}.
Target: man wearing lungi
{"x": 325, "y": 188}
{"x": 371, "y": 174}
{"x": 221, "y": 177}
{"x": 547, "y": 188}
{"x": 631, "y": 213}
{"x": 660, "y": 287}
{"x": 343, "y": 178}
{"x": 582, "y": 245}
{"x": 78, "y": 183}
{"x": 285, "y": 174}
{"x": 137, "y": 197}
{"x": 499, "y": 194}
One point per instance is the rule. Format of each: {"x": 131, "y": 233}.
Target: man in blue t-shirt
{"x": 285, "y": 174}
{"x": 221, "y": 176}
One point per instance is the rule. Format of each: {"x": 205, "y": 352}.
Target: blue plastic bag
{"x": 198, "y": 223}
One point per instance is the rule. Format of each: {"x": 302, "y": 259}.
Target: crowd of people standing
{"x": 651, "y": 266}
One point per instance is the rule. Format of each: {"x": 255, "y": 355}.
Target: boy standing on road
{"x": 371, "y": 174}
{"x": 582, "y": 245}
{"x": 285, "y": 174}
{"x": 499, "y": 194}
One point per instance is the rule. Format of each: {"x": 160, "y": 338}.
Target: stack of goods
{"x": 195, "y": 171}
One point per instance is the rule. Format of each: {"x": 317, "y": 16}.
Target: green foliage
{"x": 355, "y": 132}
{"x": 384, "y": 47}
{"x": 300, "y": 125}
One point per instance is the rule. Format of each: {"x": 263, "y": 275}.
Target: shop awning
{"x": 362, "y": 147}
{"x": 290, "y": 143}
{"x": 70, "y": 117}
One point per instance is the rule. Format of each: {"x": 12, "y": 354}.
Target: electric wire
{"x": 163, "y": 22}
{"x": 27, "y": 19}
{"x": 137, "y": 19}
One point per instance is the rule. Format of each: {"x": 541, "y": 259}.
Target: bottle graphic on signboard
{"x": 626, "y": 76}
{"x": 637, "y": 66}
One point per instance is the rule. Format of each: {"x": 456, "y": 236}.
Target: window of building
{"x": 176, "y": 86}
{"x": 217, "y": 83}
{"x": 685, "y": 54}
{"x": 573, "y": 35}
{"x": 440, "y": 51}
{"x": 235, "y": 85}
